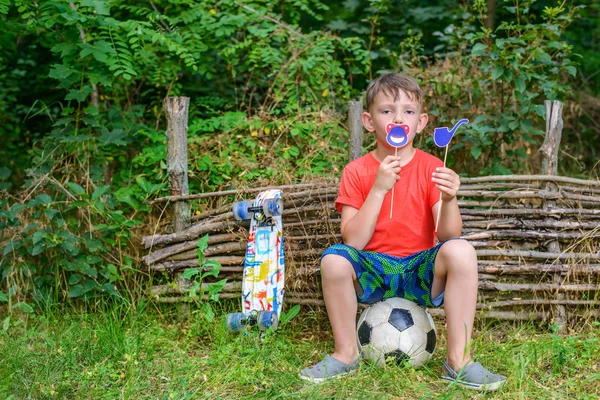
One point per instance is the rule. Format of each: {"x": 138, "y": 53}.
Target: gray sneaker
{"x": 328, "y": 368}
{"x": 473, "y": 376}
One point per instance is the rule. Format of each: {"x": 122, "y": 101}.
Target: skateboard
{"x": 263, "y": 275}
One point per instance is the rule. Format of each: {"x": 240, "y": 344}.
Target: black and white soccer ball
{"x": 394, "y": 331}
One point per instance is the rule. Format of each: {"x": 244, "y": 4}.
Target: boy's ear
{"x": 423, "y": 118}
{"x": 368, "y": 122}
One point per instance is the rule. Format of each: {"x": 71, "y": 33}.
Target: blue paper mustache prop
{"x": 442, "y": 136}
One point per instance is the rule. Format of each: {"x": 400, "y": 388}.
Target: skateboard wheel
{"x": 272, "y": 207}
{"x": 240, "y": 210}
{"x": 234, "y": 322}
{"x": 267, "y": 320}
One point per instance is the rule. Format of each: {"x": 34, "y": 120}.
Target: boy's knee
{"x": 336, "y": 266}
{"x": 458, "y": 250}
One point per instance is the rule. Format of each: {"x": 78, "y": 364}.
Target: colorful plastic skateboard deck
{"x": 264, "y": 267}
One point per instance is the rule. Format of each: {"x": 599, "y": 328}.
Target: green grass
{"x": 155, "y": 354}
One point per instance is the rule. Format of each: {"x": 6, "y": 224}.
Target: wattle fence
{"x": 536, "y": 236}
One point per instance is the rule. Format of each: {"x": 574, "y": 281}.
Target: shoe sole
{"x": 321, "y": 380}
{"x": 488, "y": 387}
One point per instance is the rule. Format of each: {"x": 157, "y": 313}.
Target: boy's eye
{"x": 387, "y": 111}
{"x": 411, "y": 112}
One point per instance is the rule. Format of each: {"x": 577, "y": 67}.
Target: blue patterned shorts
{"x": 382, "y": 276}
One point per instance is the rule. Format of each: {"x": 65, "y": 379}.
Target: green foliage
{"x": 206, "y": 294}
{"x": 66, "y": 243}
{"x": 499, "y": 80}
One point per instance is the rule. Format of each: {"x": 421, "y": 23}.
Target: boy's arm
{"x": 358, "y": 225}
{"x": 450, "y": 223}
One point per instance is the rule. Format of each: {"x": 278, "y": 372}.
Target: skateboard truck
{"x": 263, "y": 319}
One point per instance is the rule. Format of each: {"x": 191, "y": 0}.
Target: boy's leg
{"x": 339, "y": 284}
{"x": 339, "y": 292}
{"x": 456, "y": 273}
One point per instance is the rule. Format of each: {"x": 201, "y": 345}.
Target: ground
{"x": 156, "y": 353}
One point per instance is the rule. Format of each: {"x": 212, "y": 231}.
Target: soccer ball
{"x": 396, "y": 330}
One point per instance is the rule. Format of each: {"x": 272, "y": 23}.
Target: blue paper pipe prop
{"x": 442, "y": 136}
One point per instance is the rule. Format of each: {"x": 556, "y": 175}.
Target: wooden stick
{"x": 237, "y": 192}
{"x": 393, "y": 187}
{"x": 538, "y": 254}
{"x": 513, "y": 178}
{"x": 533, "y": 287}
{"x": 465, "y": 181}
{"x": 437, "y": 220}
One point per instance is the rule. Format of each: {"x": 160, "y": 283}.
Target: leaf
{"x": 91, "y": 110}
{"x": 478, "y": 49}
{"x": 110, "y": 289}
{"x": 501, "y": 170}
{"x": 89, "y": 284}
{"x": 541, "y": 56}
{"x": 190, "y": 273}
{"x": 38, "y": 235}
{"x": 6, "y": 324}
{"x": 116, "y": 137}
{"x": 520, "y": 84}
{"x": 338, "y": 25}
{"x": 3, "y": 297}
{"x": 75, "y": 188}
{"x": 60, "y": 72}
{"x": 216, "y": 288}
{"x": 288, "y": 316}
{"x": 4, "y": 6}
{"x": 202, "y": 245}
{"x": 79, "y": 95}
{"x": 99, "y": 192}
{"x": 74, "y": 279}
{"x": 497, "y": 72}
{"x": 100, "y": 6}
{"x": 112, "y": 269}
{"x": 4, "y": 173}
{"x": 76, "y": 291}
{"x": 91, "y": 272}
{"x": 42, "y": 198}
{"x": 75, "y": 139}
{"x": 65, "y": 49}
{"x": 147, "y": 187}
{"x": 209, "y": 314}
{"x": 124, "y": 195}
{"x": 38, "y": 249}
{"x": 24, "y": 307}
{"x": 476, "y": 152}
{"x": 571, "y": 70}
{"x": 215, "y": 268}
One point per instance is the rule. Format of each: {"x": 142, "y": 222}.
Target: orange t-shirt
{"x": 411, "y": 228}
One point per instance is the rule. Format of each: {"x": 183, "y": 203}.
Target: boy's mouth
{"x": 397, "y": 135}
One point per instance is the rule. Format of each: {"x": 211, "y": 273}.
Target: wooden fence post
{"x": 549, "y": 150}
{"x": 355, "y": 110}
{"x": 176, "y": 109}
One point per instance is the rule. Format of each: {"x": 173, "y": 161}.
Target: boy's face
{"x": 385, "y": 110}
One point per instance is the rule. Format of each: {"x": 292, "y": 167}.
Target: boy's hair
{"x": 390, "y": 84}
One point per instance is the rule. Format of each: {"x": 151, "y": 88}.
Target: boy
{"x": 385, "y": 257}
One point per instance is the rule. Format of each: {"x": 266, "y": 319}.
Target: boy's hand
{"x": 447, "y": 181}
{"x": 387, "y": 174}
